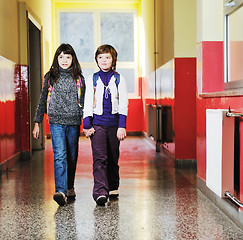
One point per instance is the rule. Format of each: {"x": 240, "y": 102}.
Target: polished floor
{"x": 156, "y": 201}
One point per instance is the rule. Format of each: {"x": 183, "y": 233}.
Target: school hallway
{"x": 157, "y": 201}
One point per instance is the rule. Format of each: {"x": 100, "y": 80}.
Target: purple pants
{"x": 105, "y": 148}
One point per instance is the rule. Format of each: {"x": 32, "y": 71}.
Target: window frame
{"x": 97, "y": 41}
{"x": 229, "y": 8}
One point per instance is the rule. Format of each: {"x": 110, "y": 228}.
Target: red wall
{"x": 7, "y": 130}
{"x": 14, "y": 127}
{"x": 185, "y": 108}
{"x": 212, "y": 66}
{"x": 135, "y": 119}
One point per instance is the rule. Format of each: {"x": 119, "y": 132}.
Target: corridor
{"x": 156, "y": 201}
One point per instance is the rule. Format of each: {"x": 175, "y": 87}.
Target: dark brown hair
{"x": 76, "y": 68}
{"x": 106, "y": 48}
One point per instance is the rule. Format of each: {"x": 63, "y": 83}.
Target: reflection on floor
{"x": 156, "y": 201}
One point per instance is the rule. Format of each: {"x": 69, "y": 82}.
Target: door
{"x": 35, "y": 83}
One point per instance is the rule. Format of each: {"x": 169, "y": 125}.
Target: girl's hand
{"x": 36, "y": 131}
{"x": 89, "y": 132}
{"x": 121, "y": 133}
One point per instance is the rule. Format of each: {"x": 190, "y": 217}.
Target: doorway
{"x": 35, "y": 83}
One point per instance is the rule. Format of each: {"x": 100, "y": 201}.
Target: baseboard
{"x": 177, "y": 163}
{"x": 135, "y": 133}
{"x": 48, "y": 136}
{"x": 186, "y": 164}
{"x": 227, "y": 207}
{"x": 10, "y": 162}
{"x": 25, "y": 155}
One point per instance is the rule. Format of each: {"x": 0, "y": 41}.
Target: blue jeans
{"x": 65, "y": 149}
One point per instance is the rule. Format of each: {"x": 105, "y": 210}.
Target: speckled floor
{"x": 156, "y": 201}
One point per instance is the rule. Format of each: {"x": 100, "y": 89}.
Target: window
{"x": 74, "y": 31}
{"x": 86, "y": 30}
{"x": 233, "y": 11}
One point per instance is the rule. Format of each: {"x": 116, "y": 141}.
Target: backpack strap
{"x": 50, "y": 87}
{"x": 117, "y": 77}
{"x": 79, "y": 85}
{"x": 95, "y": 78}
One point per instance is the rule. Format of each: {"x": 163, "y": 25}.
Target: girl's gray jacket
{"x": 63, "y": 107}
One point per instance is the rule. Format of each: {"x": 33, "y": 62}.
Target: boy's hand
{"x": 89, "y": 132}
{"x": 121, "y": 133}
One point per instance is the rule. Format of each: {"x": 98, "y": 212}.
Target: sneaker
{"x": 101, "y": 200}
{"x": 114, "y": 194}
{"x": 60, "y": 198}
{"x": 71, "y": 193}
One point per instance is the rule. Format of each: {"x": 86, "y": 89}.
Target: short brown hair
{"x": 106, "y": 48}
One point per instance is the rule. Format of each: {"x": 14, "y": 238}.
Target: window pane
{"x": 117, "y": 29}
{"x": 87, "y": 72}
{"x": 236, "y": 45}
{"x": 77, "y": 29}
{"x": 129, "y": 75}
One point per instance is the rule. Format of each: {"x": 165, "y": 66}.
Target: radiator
{"x": 159, "y": 123}
{"x": 219, "y": 151}
{"x": 154, "y": 122}
{"x": 167, "y": 125}
{"x": 151, "y": 122}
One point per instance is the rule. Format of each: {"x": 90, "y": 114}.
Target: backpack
{"x": 79, "y": 85}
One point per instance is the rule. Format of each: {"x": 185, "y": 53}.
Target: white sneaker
{"x": 114, "y": 194}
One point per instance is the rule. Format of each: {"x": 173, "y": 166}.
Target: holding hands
{"x": 121, "y": 133}
{"x": 89, "y": 132}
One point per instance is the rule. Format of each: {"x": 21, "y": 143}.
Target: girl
{"x": 64, "y": 83}
{"x": 105, "y": 111}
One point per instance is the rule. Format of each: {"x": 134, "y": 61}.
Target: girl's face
{"x": 104, "y": 61}
{"x": 65, "y": 60}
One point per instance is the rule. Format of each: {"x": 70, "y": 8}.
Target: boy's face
{"x": 65, "y": 60}
{"x": 104, "y": 61}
